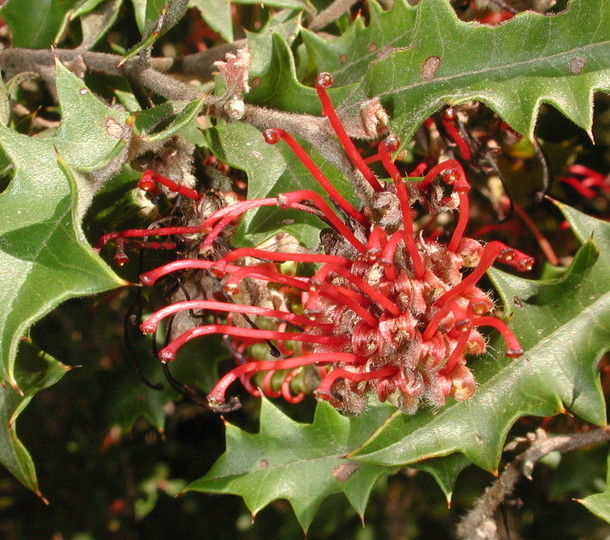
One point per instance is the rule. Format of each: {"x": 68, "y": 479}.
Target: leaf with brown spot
{"x": 303, "y": 463}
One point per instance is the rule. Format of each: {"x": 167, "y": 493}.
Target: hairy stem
{"x": 479, "y": 523}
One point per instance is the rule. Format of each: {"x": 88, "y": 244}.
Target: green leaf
{"x": 36, "y": 24}
{"x": 303, "y": 463}
{"x": 166, "y": 120}
{"x": 154, "y": 18}
{"x": 130, "y": 399}
{"x": 217, "y": 13}
{"x": 285, "y": 24}
{"x": 599, "y": 503}
{"x": 139, "y": 9}
{"x": 87, "y": 144}
{"x": 349, "y": 56}
{"x": 96, "y": 21}
{"x": 87, "y": 6}
{"x": 37, "y": 371}
{"x": 445, "y": 471}
{"x": 162, "y": 14}
{"x": 44, "y": 255}
{"x": 564, "y": 328}
{"x": 277, "y": 86}
{"x": 432, "y": 58}
{"x": 272, "y": 170}
{"x": 513, "y": 68}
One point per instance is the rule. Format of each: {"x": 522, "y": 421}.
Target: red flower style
{"x": 584, "y": 180}
{"x": 386, "y": 309}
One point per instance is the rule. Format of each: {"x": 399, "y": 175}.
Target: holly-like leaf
{"x": 37, "y": 371}
{"x": 272, "y": 170}
{"x": 129, "y": 399}
{"x": 283, "y": 23}
{"x": 44, "y": 255}
{"x": 87, "y": 145}
{"x": 533, "y": 58}
{"x": 303, "y": 463}
{"x": 349, "y": 55}
{"x": 274, "y": 84}
{"x": 444, "y": 470}
{"x": 564, "y": 328}
{"x": 560, "y": 59}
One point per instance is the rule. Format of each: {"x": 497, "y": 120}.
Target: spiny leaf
{"x": 303, "y": 463}
{"x": 560, "y": 59}
{"x": 128, "y": 399}
{"x": 36, "y": 372}
{"x": 276, "y": 86}
{"x": 563, "y": 326}
{"x": 44, "y": 256}
{"x": 349, "y": 55}
{"x": 90, "y": 144}
{"x": 444, "y": 470}
{"x": 513, "y": 68}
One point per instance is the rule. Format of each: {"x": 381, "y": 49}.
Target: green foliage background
{"x": 110, "y": 454}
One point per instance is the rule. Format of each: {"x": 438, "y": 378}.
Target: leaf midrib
{"x": 501, "y": 68}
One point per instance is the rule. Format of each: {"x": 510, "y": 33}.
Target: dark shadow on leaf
{"x": 31, "y": 243}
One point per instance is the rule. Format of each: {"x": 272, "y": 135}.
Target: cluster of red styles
{"x": 386, "y": 309}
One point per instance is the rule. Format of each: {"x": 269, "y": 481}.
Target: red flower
{"x": 386, "y": 311}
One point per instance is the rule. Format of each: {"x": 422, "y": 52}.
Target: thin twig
{"x": 479, "y": 523}
{"x": 151, "y": 75}
{"x": 154, "y": 75}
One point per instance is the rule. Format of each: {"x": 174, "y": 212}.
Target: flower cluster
{"x": 386, "y": 310}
